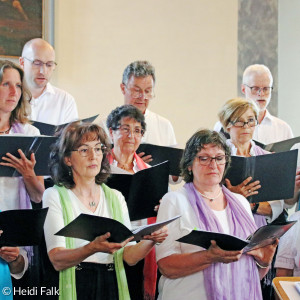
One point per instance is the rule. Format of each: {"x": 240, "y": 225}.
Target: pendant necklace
{"x": 92, "y": 204}
{"x": 211, "y": 198}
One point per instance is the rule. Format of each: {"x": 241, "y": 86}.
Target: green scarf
{"x": 67, "y": 279}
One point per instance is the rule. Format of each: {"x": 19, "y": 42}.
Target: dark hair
{"x": 125, "y": 111}
{"x": 139, "y": 68}
{"x": 195, "y": 144}
{"x": 71, "y": 138}
{"x": 22, "y": 110}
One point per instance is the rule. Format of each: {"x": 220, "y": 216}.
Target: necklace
{"x": 211, "y": 198}
{"x": 126, "y": 167}
{"x": 92, "y": 203}
{"x": 5, "y": 131}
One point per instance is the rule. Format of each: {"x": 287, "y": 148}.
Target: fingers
{"x": 141, "y": 154}
{"x": 158, "y": 236}
{"x": 220, "y": 255}
{"x": 228, "y": 183}
{"x": 145, "y": 158}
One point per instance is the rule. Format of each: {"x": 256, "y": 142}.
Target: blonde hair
{"x": 234, "y": 108}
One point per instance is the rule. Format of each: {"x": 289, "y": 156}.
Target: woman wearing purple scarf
{"x": 239, "y": 118}
{"x": 191, "y": 272}
{"x": 16, "y": 192}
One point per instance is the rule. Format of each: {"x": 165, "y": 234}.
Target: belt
{"x": 94, "y": 266}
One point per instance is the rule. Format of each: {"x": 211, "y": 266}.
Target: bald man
{"x": 258, "y": 85}
{"x": 49, "y": 104}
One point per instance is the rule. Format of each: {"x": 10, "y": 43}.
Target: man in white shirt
{"x": 138, "y": 89}
{"x": 257, "y": 85}
{"x": 49, "y": 104}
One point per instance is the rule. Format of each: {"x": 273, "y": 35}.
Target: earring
{"x": 70, "y": 172}
{"x": 190, "y": 172}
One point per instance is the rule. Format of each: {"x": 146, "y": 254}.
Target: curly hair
{"x": 195, "y": 144}
{"x": 125, "y": 111}
{"x": 71, "y": 138}
{"x": 22, "y": 111}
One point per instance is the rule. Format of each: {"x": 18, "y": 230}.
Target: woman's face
{"x": 211, "y": 174}
{"x": 242, "y": 135}
{"x": 128, "y": 137}
{"x": 10, "y": 90}
{"x": 86, "y": 161}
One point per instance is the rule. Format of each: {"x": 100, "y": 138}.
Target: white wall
{"x": 192, "y": 44}
{"x": 289, "y": 63}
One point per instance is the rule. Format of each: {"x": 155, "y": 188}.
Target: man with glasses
{"x": 258, "y": 85}
{"x": 138, "y": 89}
{"x": 49, "y": 104}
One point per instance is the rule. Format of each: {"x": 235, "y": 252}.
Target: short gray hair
{"x": 139, "y": 68}
{"x": 195, "y": 144}
{"x": 258, "y": 69}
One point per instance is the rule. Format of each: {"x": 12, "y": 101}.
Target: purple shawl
{"x": 24, "y": 199}
{"x": 243, "y": 280}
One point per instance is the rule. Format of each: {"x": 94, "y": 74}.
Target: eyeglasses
{"x": 206, "y": 160}
{"x": 86, "y": 151}
{"x": 125, "y": 130}
{"x": 256, "y": 90}
{"x": 38, "y": 63}
{"x": 138, "y": 93}
{"x": 250, "y": 123}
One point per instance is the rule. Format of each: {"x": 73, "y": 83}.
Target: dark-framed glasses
{"x": 86, "y": 150}
{"x": 126, "y": 130}
{"x": 139, "y": 93}
{"x": 38, "y": 63}
{"x": 206, "y": 160}
{"x": 238, "y": 123}
{"x": 256, "y": 90}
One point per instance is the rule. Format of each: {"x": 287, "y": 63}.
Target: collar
{"x": 233, "y": 148}
{"x": 268, "y": 118}
{"x": 48, "y": 90}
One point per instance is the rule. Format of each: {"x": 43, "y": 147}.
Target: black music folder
{"x": 262, "y": 237}
{"x": 39, "y": 145}
{"x": 49, "y": 129}
{"x": 282, "y": 146}
{"x": 142, "y": 190}
{"x": 88, "y": 227}
{"x": 276, "y": 173}
{"x": 22, "y": 227}
{"x": 161, "y": 153}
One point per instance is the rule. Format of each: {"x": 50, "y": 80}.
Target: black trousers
{"x": 96, "y": 281}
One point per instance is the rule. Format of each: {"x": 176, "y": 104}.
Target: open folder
{"x": 39, "y": 145}
{"x": 276, "y": 173}
{"x": 142, "y": 190}
{"x": 262, "y": 237}
{"x": 88, "y": 227}
{"x": 22, "y": 227}
{"x": 282, "y": 146}
{"x": 49, "y": 129}
{"x": 161, "y": 153}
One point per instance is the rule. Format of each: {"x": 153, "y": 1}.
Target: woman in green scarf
{"x": 88, "y": 270}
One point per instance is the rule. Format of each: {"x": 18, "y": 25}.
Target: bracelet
{"x": 254, "y": 210}
{"x": 260, "y": 266}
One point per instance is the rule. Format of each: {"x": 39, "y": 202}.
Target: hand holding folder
{"x": 39, "y": 145}
{"x": 262, "y": 237}
{"x": 276, "y": 173}
{"x": 88, "y": 227}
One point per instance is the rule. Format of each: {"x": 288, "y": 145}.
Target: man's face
{"x": 37, "y": 77}
{"x": 260, "y": 80}
{"x": 138, "y": 92}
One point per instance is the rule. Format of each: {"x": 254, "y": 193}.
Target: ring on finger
{"x": 249, "y": 191}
